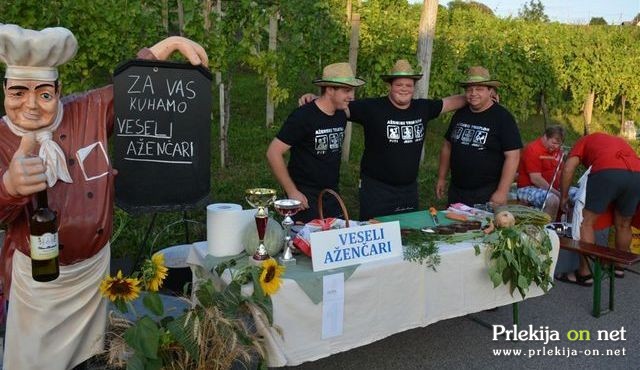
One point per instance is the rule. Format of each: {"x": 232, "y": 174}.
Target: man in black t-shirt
{"x": 481, "y": 147}
{"x": 394, "y": 129}
{"x": 314, "y": 134}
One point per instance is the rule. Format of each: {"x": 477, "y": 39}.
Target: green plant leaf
{"x": 496, "y": 278}
{"x": 136, "y": 362}
{"x": 182, "y": 332}
{"x": 501, "y": 262}
{"x": 121, "y": 305}
{"x": 523, "y": 282}
{"x": 508, "y": 255}
{"x": 153, "y": 303}
{"x": 143, "y": 337}
{"x": 507, "y": 275}
{"x": 153, "y": 364}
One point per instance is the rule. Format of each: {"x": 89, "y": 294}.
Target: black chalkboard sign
{"x": 162, "y": 135}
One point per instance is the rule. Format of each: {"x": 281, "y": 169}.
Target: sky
{"x": 568, "y": 11}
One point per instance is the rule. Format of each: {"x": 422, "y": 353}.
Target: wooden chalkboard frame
{"x": 176, "y": 187}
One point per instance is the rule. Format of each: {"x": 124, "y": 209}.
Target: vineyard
{"x": 562, "y": 64}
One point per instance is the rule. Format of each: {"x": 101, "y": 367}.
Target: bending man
{"x": 614, "y": 179}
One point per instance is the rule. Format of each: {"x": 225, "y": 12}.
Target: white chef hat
{"x": 35, "y": 55}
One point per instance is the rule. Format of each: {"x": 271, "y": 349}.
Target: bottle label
{"x": 44, "y": 247}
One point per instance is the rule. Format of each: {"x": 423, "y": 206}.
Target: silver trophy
{"x": 287, "y": 208}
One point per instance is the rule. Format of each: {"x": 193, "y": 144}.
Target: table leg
{"x": 597, "y": 287}
{"x": 612, "y": 285}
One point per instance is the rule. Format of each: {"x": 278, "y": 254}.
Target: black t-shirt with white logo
{"x": 393, "y": 137}
{"x": 478, "y": 142}
{"x": 316, "y": 146}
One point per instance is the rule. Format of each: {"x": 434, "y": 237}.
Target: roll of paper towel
{"x": 225, "y": 225}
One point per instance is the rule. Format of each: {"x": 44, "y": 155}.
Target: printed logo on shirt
{"x": 466, "y": 136}
{"x": 329, "y": 140}
{"x": 321, "y": 143}
{"x": 471, "y": 135}
{"x": 481, "y": 137}
{"x": 458, "y": 133}
{"x": 333, "y": 141}
{"x": 405, "y": 132}
{"x": 419, "y": 131}
{"x": 393, "y": 133}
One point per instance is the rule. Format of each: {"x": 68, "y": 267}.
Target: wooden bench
{"x": 600, "y": 256}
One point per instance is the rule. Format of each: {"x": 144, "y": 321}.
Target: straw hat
{"x": 35, "y": 55}
{"x": 338, "y": 74}
{"x": 478, "y": 75}
{"x": 402, "y": 68}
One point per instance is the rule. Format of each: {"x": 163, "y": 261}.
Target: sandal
{"x": 575, "y": 278}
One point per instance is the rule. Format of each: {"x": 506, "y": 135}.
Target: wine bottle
{"x": 44, "y": 241}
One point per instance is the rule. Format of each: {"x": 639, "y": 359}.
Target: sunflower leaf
{"x": 136, "y": 362}
{"x": 143, "y": 337}
{"x": 184, "y": 335}
{"x": 153, "y": 303}
{"x": 121, "y": 305}
{"x": 258, "y": 293}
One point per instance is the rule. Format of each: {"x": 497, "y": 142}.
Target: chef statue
{"x": 58, "y": 144}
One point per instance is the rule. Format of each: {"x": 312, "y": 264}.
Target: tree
{"x": 533, "y": 12}
{"x": 468, "y": 5}
{"x": 426, "y": 35}
{"x": 597, "y": 21}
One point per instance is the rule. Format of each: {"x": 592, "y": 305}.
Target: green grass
{"x": 248, "y": 141}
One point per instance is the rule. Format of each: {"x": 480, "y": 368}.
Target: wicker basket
{"x": 302, "y": 241}
{"x": 340, "y": 202}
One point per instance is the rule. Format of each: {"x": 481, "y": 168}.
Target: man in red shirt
{"x": 538, "y": 164}
{"x": 614, "y": 179}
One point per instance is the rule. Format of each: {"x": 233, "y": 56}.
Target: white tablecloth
{"x": 384, "y": 298}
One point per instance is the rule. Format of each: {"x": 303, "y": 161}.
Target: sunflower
{"x": 125, "y": 289}
{"x": 154, "y": 272}
{"x": 270, "y": 280}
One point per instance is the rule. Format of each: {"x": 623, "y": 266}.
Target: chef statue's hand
{"x": 189, "y": 49}
{"x": 26, "y": 173}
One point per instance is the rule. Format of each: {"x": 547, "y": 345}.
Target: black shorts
{"x": 471, "y": 196}
{"x": 381, "y": 199}
{"x": 620, "y": 187}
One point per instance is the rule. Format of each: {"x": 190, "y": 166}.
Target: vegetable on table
{"x": 504, "y": 219}
{"x": 456, "y": 216}
{"x": 526, "y": 215}
{"x": 490, "y": 228}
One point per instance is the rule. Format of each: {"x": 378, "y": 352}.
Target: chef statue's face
{"x": 31, "y": 104}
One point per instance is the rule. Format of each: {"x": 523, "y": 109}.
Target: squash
{"x": 504, "y": 219}
{"x": 273, "y": 238}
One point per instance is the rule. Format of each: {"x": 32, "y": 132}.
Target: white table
{"x": 383, "y": 298}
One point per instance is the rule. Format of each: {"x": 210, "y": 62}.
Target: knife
{"x": 434, "y": 216}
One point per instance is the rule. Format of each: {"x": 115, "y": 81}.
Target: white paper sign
{"x": 332, "y": 305}
{"x": 361, "y": 244}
